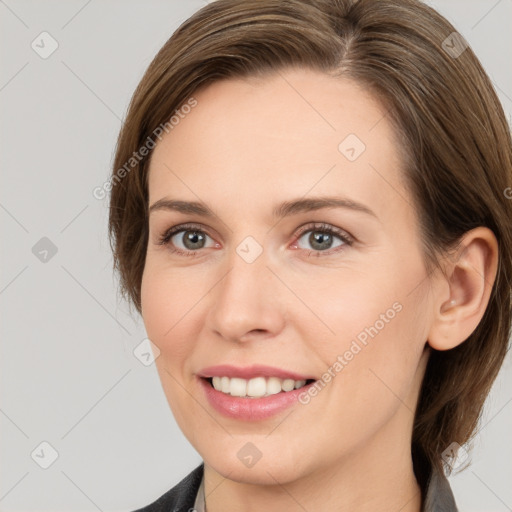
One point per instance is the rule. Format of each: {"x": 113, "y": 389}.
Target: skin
{"x": 247, "y": 146}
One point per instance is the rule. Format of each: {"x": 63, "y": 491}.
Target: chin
{"x": 260, "y": 474}
{"x": 270, "y": 469}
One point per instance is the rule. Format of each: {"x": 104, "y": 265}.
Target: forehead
{"x": 287, "y": 134}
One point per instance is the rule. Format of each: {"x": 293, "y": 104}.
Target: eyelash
{"x": 316, "y": 227}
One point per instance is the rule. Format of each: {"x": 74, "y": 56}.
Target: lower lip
{"x": 251, "y": 409}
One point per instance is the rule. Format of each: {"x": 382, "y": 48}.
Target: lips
{"x": 251, "y": 372}
{"x": 252, "y": 408}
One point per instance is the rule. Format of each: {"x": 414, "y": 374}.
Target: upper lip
{"x": 249, "y": 372}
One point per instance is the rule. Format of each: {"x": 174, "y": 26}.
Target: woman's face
{"x": 261, "y": 282}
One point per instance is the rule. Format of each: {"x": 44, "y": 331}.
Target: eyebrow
{"x": 285, "y": 209}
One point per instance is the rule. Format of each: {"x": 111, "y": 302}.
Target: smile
{"x": 252, "y": 393}
{"x": 257, "y": 387}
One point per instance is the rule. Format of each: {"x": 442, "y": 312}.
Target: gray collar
{"x": 439, "y": 496}
{"x": 199, "y": 504}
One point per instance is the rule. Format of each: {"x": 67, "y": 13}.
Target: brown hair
{"x": 456, "y": 145}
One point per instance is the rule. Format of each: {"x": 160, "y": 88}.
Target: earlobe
{"x": 464, "y": 295}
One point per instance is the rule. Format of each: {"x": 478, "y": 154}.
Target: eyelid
{"x": 324, "y": 226}
{"x": 187, "y": 226}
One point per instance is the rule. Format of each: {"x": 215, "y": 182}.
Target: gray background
{"x": 68, "y": 375}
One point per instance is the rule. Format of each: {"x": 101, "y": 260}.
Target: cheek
{"x": 167, "y": 296}
{"x": 344, "y": 303}
{"x": 153, "y": 305}
{"x": 165, "y": 303}
{"x": 168, "y": 318}
{"x": 376, "y": 295}
{"x": 371, "y": 329}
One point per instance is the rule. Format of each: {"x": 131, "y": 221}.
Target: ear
{"x": 461, "y": 300}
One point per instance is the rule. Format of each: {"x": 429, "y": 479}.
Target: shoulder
{"x": 181, "y": 497}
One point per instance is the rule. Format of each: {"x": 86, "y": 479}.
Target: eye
{"x": 322, "y": 239}
{"x": 185, "y": 239}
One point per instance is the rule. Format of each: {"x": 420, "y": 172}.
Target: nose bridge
{"x": 247, "y": 280}
{"x": 246, "y": 298}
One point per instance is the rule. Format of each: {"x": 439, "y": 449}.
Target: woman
{"x": 309, "y": 210}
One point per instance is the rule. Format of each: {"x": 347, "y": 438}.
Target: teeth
{"x": 274, "y": 386}
{"x": 224, "y": 384}
{"x": 255, "y": 388}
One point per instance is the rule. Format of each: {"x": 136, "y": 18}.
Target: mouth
{"x": 253, "y": 393}
{"x": 256, "y": 387}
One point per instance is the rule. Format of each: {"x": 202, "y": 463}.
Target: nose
{"x": 248, "y": 302}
